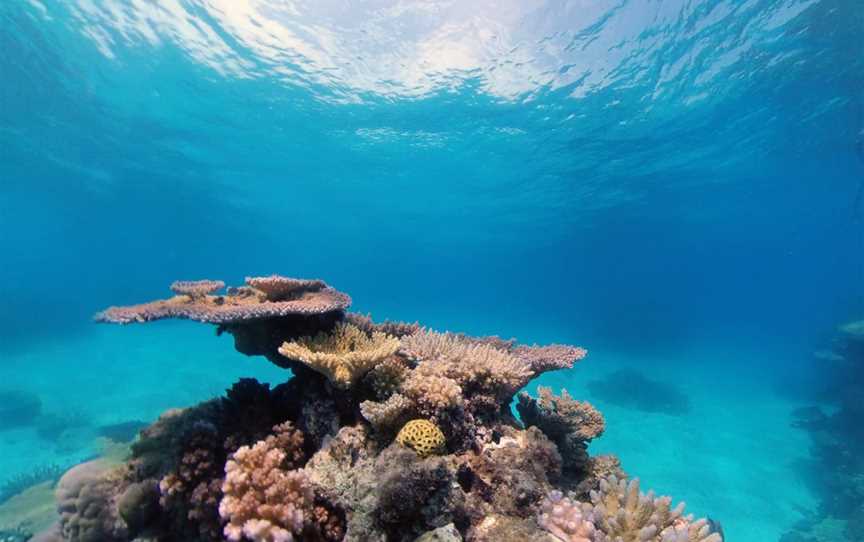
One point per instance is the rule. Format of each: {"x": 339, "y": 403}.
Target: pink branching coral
{"x": 263, "y": 499}
{"x": 196, "y": 288}
{"x": 567, "y": 520}
{"x": 229, "y": 308}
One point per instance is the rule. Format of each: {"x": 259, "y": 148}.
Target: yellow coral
{"x": 422, "y": 436}
{"x": 343, "y": 355}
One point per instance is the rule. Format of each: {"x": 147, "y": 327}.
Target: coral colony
{"x": 386, "y": 432}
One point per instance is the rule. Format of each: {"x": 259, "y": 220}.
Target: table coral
{"x": 320, "y": 457}
{"x": 196, "y": 288}
{"x": 344, "y": 354}
{"x": 229, "y": 308}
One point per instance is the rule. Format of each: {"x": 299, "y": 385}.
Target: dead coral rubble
{"x": 386, "y": 432}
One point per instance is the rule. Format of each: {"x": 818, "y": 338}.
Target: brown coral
{"x": 344, "y": 354}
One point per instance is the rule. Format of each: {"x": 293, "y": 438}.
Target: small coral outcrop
{"x": 422, "y": 436}
{"x": 384, "y": 432}
{"x": 571, "y": 424}
{"x": 344, "y": 354}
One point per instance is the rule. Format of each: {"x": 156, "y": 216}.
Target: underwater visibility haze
{"x": 675, "y": 187}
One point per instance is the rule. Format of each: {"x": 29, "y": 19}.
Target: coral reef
{"x": 385, "y": 432}
{"x": 266, "y": 499}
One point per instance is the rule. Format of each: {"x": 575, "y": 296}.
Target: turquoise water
{"x": 675, "y": 186}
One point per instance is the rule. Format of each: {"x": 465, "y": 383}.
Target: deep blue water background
{"x": 637, "y": 177}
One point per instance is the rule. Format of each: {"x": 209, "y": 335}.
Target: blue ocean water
{"x": 676, "y": 186}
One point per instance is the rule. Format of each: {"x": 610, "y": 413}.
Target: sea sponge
{"x": 422, "y": 436}
{"x": 343, "y": 355}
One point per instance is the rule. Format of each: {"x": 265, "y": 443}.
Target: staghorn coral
{"x": 196, "y": 288}
{"x": 279, "y": 288}
{"x": 343, "y": 355}
{"x": 264, "y": 500}
{"x": 422, "y": 436}
{"x": 624, "y": 514}
{"x": 229, "y": 308}
{"x": 570, "y": 424}
{"x": 479, "y": 368}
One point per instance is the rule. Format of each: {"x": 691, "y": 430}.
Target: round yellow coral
{"x": 422, "y": 436}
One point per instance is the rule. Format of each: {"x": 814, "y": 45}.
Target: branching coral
{"x": 571, "y": 424}
{"x": 551, "y": 357}
{"x": 387, "y": 415}
{"x": 263, "y": 499}
{"x": 477, "y": 367}
{"x": 567, "y": 520}
{"x": 422, "y": 436}
{"x": 625, "y": 514}
{"x": 342, "y": 355}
